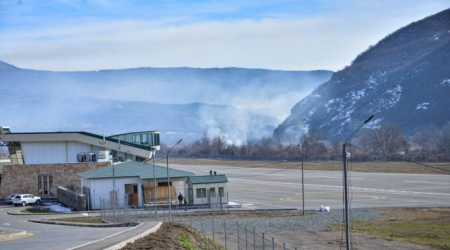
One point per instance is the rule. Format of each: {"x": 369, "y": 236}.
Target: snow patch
{"x": 436, "y": 36}
{"x": 374, "y": 79}
{"x": 394, "y": 97}
{"x": 423, "y": 106}
{"x": 446, "y": 82}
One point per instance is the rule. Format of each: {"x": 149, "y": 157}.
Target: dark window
{"x": 163, "y": 184}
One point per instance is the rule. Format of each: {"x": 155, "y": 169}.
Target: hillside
{"x": 181, "y": 102}
{"x": 404, "y": 79}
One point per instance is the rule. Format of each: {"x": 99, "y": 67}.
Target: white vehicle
{"x": 10, "y": 198}
{"x": 25, "y": 199}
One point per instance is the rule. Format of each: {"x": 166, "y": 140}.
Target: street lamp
{"x": 303, "y": 180}
{"x": 344, "y": 156}
{"x": 169, "y": 191}
{"x": 154, "y": 182}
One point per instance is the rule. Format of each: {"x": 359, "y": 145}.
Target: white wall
{"x": 55, "y": 152}
{"x": 198, "y": 201}
{"x": 101, "y": 188}
{"x": 44, "y": 152}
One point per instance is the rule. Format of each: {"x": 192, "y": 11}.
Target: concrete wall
{"x": 72, "y": 199}
{"x": 24, "y": 178}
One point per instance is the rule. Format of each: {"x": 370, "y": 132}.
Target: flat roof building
{"x": 41, "y": 161}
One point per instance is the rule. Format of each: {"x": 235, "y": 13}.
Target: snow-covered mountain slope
{"x": 404, "y": 79}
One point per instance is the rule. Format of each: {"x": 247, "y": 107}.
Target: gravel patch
{"x": 278, "y": 225}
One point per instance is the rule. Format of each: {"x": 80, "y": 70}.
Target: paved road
{"x": 61, "y": 237}
{"x": 272, "y": 188}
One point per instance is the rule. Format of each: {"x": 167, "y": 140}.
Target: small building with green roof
{"x": 203, "y": 189}
{"x": 134, "y": 182}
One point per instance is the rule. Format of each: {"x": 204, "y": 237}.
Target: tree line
{"x": 386, "y": 143}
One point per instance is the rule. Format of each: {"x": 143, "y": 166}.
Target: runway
{"x": 263, "y": 188}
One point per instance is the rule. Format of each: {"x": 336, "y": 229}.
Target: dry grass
{"x": 422, "y": 226}
{"x": 371, "y": 167}
{"x": 96, "y": 220}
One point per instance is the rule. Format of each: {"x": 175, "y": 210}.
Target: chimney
{"x": 215, "y": 173}
{"x": 210, "y": 172}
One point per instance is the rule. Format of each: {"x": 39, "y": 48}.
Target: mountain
{"x": 403, "y": 79}
{"x": 180, "y": 102}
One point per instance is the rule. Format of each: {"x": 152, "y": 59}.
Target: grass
{"x": 427, "y": 226}
{"x": 36, "y": 211}
{"x": 81, "y": 219}
{"x": 370, "y": 167}
{"x": 186, "y": 243}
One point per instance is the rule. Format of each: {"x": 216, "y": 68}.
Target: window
{"x": 163, "y": 184}
{"x": 212, "y": 190}
{"x": 201, "y": 192}
{"x": 221, "y": 191}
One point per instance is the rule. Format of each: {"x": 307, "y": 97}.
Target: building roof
{"x": 107, "y": 138}
{"x": 133, "y": 169}
{"x": 204, "y": 179}
{"x": 83, "y": 137}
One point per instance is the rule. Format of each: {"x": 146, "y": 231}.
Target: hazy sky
{"x": 273, "y": 34}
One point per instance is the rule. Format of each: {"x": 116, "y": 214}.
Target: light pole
{"x": 169, "y": 191}
{"x": 154, "y": 183}
{"x": 303, "y": 181}
{"x": 344, "y": 157}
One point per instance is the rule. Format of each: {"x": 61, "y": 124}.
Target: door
{"x": 45, "y": 185}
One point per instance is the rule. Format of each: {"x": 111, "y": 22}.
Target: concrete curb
{"x": 63, "y": 223}
{"x": 133, "y": 239}
{"x": 80, "y": 212}
{"x": 12, "y": 236}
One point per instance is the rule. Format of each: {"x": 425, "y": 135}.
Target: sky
{"x": 73, "y": 35}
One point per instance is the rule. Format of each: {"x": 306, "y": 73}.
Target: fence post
{"x": 212, "y": 222}
{"x": 254, "y": 239}
{"x": 237, "y": 233}
{"x": 246, "y": 242}
{"x": 273, "y": 243}
{"x": 264, "y": 241}
{"x": 225, "y": 231}
{"x": 284, "y": 245}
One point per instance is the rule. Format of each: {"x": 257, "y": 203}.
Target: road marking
{"x": 332, "y": 177}
{"x": 107, "y": 237}
{"x": 271, "y": 205}
{"x": 426, "y": 182}
{"x": 439, "y": 195}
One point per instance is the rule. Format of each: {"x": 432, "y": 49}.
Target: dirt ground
{"x": 372, "y": 167}
{"x": 174, "y": 236}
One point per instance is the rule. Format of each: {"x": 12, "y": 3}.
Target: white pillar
{"x": 140, "y": 201}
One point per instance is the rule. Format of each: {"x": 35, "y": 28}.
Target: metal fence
{"x": 225, "y": 231}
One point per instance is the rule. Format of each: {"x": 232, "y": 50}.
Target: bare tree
{"x": 386, "y": 140}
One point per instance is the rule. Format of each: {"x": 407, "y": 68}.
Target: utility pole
{"x": 346, "y": 206}
{"x": 169, "y": 191}
{"x": 347, "y": 212}
{"x": 114, "y": 191}
{"x": 303, "y": 180}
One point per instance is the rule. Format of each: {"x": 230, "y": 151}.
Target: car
{"x": 26, "y": 199}
{"x": 9, "y": 198}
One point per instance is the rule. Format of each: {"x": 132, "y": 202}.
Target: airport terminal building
{"x": 42, "y": 161}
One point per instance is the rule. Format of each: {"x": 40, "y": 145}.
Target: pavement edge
{"x": 133, "y": 239}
